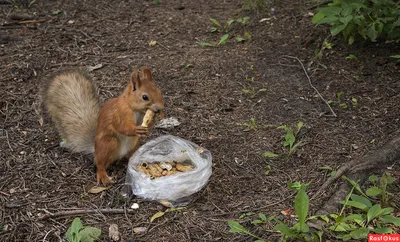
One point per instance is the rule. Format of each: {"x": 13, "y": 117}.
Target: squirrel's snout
{"x": 157, "y": 108}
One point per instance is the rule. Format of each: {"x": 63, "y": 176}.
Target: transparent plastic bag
{"x": 175, "y": 189}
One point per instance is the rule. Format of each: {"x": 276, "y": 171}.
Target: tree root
{"x": 356, "y": 170}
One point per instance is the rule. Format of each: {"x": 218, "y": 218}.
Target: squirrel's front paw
{"x": 140, "y": 130}
{"x": 103, "y": 178}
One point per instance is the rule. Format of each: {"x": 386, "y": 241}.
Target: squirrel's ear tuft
{"x": 146, "y": 74}
{"x": 135, "y": 80}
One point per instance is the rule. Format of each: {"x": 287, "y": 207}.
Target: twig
{"x": 309, "y": 81}
{"x": 8, "y": 141}
{"x": 255, "y": 209}
{"x": 5, "y": 194}
{"x": 86, "y": 211}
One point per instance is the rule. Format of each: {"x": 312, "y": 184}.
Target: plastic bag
{"x": 175, "y": 189}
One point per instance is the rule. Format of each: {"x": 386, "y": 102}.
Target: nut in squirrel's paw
{"x": 147, "y": 118}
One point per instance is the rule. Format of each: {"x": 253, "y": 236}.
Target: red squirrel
{"x": 110, "y": 132}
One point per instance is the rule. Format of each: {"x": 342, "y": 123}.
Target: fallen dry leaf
{"x": 139, "y": 230}
{"x": 97, "y": 189}
{"x": 113, "y": 232}
{"x": 287, "y": 212}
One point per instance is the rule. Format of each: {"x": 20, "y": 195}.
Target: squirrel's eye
{"x": 145, "y": 97}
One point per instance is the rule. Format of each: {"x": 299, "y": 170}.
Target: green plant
{"x": 78, "y": 233}
{"x": 291, "y": 140}
{"x": 319, "y": 51}
{"x": 332, "y": 172}
{"x": 351, "y": 57}
{"x": 222, "y": 41}
{"x": 369, "y": 19}
{"x": 364, "y": 217}
{"x": 254, "y": 5}
{"x": 23, "y": 3}
{"x": 396, "y": 57}
{"x": 252, "y": 92}
{"x": 223, "y": 28}
{"x": 300, "y": 230}
{"x": 252, "y": 125}
{"x": 380, "y": 187}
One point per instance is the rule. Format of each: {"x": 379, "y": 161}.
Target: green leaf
{"x": 328, "y": 11}
{"x": 325, "y": 218}
{"x": 243, "y": 20}
{"x": 214, "y": 21}
{"x": 371, "y": 33}
{"x": 362, "y": 200}
{"x": 73, "y": 231}
{"x": 257, "y": 221}
{"x": 317, "y": 17}
{"x": 58, "y": 11}
{"x": 325, "y": 168}
{"x": 373, "y": 191}
{"x": 329, "y": 20}
{"x": 262, "y": 90}
{"x": 236, "y": 227}
{"x": 229, "y": 23}
{"x": 303, "y": 229}
{"x": 373, "y": 212}
{"x": 223, "y": 39}
{"x": 357, "y": 218}
{"x": 206, "y": 44}
{"x": 390, "y": 219}
{"x": 384, "y": 230}
{"x": 347, "y": 9}
{"x": 290, "y": 138}
{"x": 270, "y": 154}
{"x": 351, "y": 57}
{"x": 351, "y": 39}
{"x": 284, "y": 229}
{"x": 346, "y": 20}
{"x": 247, "y": 35}
{"x": 301, "y": 206}
{"x": 386, "y": 179}
{"x": 386, "y": 211}
{"x": 299, "y": 126}
{"x": 246, "y": 90}
{"x": 360, "y": 233}
{"x": 156, "y": 215}
{"x": 89, "y": 234}
{"x": 262, "y": 217}
{"x": 240, "y": 39}
{"x": 335, "y": 30}
{"x": 395, "y": 56}
{"x": 355, "y": 204}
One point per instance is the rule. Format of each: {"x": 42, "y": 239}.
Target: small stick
{"x": 5, "y": 194}
{"x": 86, "y": 211}
{"x": 8, "y": 141}
{"x": 309, "y": 81}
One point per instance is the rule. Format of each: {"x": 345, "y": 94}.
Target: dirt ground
{"x": 202, "y": 87}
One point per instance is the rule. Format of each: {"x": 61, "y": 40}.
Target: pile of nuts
{"x": 164, "y": 168}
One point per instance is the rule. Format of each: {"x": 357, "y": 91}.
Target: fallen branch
{"x": 87, "y": 211}
{"x": 312, "y": 86}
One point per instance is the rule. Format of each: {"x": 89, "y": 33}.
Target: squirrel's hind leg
{"x": 106, "y": 152}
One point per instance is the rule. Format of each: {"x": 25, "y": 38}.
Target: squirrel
{"x": 110, "y": 132}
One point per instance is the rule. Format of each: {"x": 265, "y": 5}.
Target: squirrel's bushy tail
{"x": 72, "y": 102}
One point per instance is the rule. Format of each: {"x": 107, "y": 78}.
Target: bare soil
{"x": 202, "y": 87}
